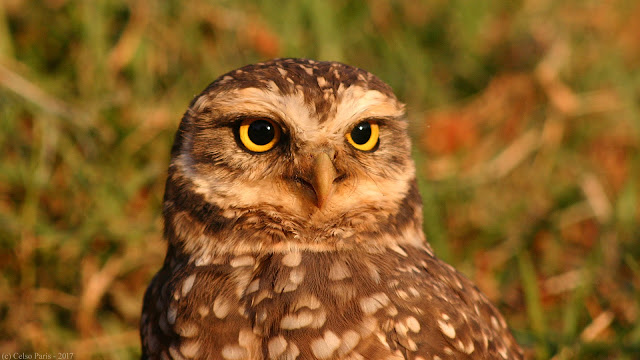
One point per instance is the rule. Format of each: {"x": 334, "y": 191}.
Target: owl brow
{"x": 380, "y": 120}
{"x": 232, "y": 119}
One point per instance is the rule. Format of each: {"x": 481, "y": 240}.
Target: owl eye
{"x": 259, "y": 135}
{"x": 364, "y": 136}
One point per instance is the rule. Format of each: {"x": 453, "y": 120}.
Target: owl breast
{"x": 321, "y": 305}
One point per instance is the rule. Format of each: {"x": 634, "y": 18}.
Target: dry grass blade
{"x": 96, "y": 284}
{"x": 597, "y": 198}
{"x": 508, "y": 159}
{"x": 31, "y": 92}
{"x": 597, "y": 326}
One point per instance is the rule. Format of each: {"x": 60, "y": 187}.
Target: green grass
{"x": 525, "y": 118}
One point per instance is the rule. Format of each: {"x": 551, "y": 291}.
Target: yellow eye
{"x": 364, "y": 136}
{"x": 259, "y": 135}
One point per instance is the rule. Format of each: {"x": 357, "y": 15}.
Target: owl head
{"x": 292, "y": 153}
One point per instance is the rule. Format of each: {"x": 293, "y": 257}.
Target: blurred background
{"x": 525, "y": 117}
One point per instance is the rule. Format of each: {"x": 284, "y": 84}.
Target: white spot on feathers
{"x": 292, "y": 259}
{"x": 188, "y": 284}
{"x": 447, "y": 329}
{"x": 324, "y": 347}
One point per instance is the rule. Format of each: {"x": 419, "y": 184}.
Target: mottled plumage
{"x": 313, "y": 248}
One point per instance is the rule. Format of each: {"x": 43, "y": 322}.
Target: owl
{"x": 294, "y": 229}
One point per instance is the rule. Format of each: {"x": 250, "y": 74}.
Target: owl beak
{"x": 324, "y": 173}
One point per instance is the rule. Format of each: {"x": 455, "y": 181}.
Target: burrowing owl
{"x": 294, "y": 227}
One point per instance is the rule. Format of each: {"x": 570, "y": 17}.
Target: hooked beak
{"x": 322, "y": 177}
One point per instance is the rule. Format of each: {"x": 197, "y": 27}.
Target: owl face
{"x": 304, "y": 144}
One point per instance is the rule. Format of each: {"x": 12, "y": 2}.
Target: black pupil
{"x": 361, "y": 133}
{"x": 261, "y": 132}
